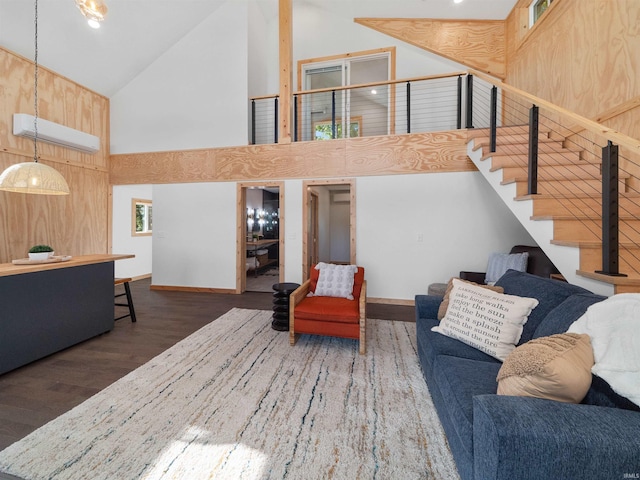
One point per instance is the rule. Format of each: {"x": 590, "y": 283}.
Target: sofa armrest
{"x": 427, "y": 306}
{"x": 475, "y": 277}
{"x": 532, "y": 438}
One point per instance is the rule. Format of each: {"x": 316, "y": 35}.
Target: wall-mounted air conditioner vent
{"x": 50, "y": 132}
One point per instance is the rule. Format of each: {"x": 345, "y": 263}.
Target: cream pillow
{"x": 445, "y": 300}
{"x": 335, "y": 280}
{"x": 557, "y": 367}
{"x": 486, "y": 320}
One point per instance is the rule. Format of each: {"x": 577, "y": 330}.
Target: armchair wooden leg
{"x": 293, "y": 337}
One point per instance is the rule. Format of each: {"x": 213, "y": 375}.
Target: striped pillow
{"x": 499, "y": 263}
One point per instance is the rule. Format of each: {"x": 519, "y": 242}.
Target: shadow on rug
{"x": 235, "y": 400}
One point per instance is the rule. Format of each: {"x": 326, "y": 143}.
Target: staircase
{"x": 564, "y": 218}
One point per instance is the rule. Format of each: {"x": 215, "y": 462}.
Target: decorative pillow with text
{"x": 442, "y": 310}
{"x": 489, "y": 321}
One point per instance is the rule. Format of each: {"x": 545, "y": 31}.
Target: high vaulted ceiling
{"x": 137, "y": 32}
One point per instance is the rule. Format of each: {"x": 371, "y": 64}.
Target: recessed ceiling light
{"x": 374, "y": 91}
{"x": 457, "y": 1}
{"x": 93, "y": 23}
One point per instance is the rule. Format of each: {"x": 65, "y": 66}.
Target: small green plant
{"x": 40, "y": 249}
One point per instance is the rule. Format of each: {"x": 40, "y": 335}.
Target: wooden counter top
{"x": 7, "y": 269}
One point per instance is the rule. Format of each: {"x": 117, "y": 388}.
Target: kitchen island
{"x": 47, "y": 307}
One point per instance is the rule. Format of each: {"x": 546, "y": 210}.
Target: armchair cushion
{"x": 330, "y": 309}
{"x": 499, "y": 263}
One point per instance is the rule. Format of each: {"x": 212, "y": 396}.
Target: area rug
{"x": 235, "y": 401}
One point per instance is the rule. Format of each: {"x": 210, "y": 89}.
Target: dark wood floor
{"x": 37, "y": 393}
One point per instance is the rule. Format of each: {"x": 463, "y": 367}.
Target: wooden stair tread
{"x": 580, "y": 217}
{"x": 570, "y": 196}
{"x": 632, "y": 278}
{"x": 473, "y": 133}
{"x": 590, "y": 244}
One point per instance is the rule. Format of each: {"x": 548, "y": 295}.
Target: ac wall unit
{"x": 50, "y": 132}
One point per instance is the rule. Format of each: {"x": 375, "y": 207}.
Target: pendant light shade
{"x": 33, "y": 177}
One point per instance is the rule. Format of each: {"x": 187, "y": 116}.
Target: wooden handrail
{"x": 609, "y": 133}
{"x": 377, "y": 84}
{"x": 367, "y": 85}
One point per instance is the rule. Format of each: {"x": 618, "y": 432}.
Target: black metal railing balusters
{"x": 459, "y": 114}
{"x": 469, "y": 101}
{"x": 494, "y": 118}
{"x": 253, "y": 122}
{"x": 275, "y": 121}
{"x": 532, "y": 177}
{"x": 408, "y": 107}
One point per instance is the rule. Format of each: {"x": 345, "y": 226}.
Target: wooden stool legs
{"x": 127, "y": 292}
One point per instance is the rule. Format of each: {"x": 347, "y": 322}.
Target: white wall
{"x": 194, "y": 95}
{"x": 194, "y": 235}
{"x": 123, "y": 241}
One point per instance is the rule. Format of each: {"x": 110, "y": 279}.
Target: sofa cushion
{"x": 436, "y": 344}
{"x": 560, "y": 318}
{"x": 549, "y": 293}
{"x": 557, "y": 368}
{"x": 442, "y": 310}
{"x": 489, "y": 321}
{"x": 600, "y": 393}
{"x": 330, "y": 309}
{"x": 459, "y": 380}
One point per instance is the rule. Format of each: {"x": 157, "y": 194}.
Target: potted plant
{"x": 40, "y": 252}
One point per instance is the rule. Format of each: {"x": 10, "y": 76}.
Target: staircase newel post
{"x": 532, "y": 178}
{"x": 253, "y": 122}
{"x": 610, "y": 212}
{"x": 408, "y": 107}
{"x": 469, "y": 101}
{"x": 459, "y": 116}
{"x": 494, "y": 118}
{"x": 275, "y": 125}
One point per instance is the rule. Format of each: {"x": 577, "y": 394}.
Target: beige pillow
{"x": 557, "y": 367}
{"x": 445, "y": 300}
{"x": 489, "y": 321}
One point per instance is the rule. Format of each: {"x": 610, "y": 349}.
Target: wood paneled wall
{"x": 582, "y": 55}
{"x": 479, "y": 44}
{"x": 387, "y": 155}
{"x": 75, "y": 224}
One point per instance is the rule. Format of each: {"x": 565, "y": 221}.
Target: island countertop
{"x": 7, "y": 269}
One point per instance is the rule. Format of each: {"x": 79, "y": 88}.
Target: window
{"x": 141, "y": 217}
{"x": 323, "y": 130}
{"x": 536, "y": 9}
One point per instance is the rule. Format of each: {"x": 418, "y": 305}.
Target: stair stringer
{"x": 565, "y": 258}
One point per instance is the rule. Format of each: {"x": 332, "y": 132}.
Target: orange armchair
{"x": 332, "y": 316}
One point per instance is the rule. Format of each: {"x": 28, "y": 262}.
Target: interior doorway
{"x": 329, "y": 219}
{"x": 260, "y": 253}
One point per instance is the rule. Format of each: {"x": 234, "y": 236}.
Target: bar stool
{"x": 127, "y": 292}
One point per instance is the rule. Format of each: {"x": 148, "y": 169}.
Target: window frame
{"x": 148, "y": 207}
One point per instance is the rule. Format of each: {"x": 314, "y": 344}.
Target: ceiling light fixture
{"x": 34, "y": 177}
{"x": 457, "y": 1}
{"x": 93, "y": 10}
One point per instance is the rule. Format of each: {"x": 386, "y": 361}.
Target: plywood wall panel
{"x": 76, "y": 224}
{"x": 583, "y": 56}
{"x": 385, "y": 155}
{"x": 479, "y": 44}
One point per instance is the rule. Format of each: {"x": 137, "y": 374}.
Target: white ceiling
{"x": 137, "y": 32}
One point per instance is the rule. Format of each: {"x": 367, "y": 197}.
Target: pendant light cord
{"x": 35, "y": 89}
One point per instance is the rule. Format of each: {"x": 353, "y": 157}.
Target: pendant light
{"x": 93, "y": 10}
{"x": 34, "y": 177}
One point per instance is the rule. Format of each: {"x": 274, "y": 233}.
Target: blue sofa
{"x": 504, "y": 437}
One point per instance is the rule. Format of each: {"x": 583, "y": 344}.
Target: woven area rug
{"x": 235, "y": 401}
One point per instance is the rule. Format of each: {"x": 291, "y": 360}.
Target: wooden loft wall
{"x": 582, "y": 56}
{"x": 74, "y": 224}
{"x": 479, "y": 44}
{"x": 387, "y": 155}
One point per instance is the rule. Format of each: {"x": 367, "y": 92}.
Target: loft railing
{"x": 421, "y": 104}
{"x": 597, "y": 160}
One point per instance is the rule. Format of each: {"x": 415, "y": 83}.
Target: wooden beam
{"x": 478, "y": 44}
{"x": 382, "y": 155}
{"x": 286, "y": 76}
